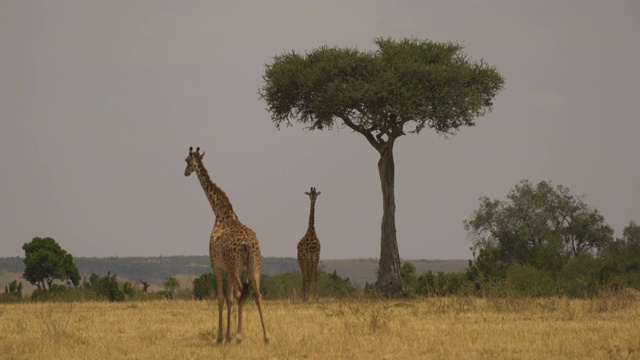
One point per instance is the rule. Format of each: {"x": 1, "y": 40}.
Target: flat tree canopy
{"x": 402, "y": 87}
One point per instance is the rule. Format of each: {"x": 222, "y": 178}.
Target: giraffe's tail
{"x": 245, "y": 292}
{"x": 245, "y": 287}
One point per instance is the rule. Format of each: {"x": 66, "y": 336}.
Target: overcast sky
{"x": 100, "y": 101}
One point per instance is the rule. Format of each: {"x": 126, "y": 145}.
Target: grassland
{"x": 436, "y": 328}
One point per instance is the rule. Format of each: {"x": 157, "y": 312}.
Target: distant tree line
{"x": 153, "y": 269}
{"x": 539, "y": 241}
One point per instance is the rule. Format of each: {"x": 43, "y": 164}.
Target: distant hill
{"x": 154, "y": 270}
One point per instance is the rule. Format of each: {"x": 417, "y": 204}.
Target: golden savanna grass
{"x": 436, "y": 328}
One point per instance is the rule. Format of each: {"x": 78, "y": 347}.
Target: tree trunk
{"x": 389, "y": 280}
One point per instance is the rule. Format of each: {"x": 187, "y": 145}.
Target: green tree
{"x": 204, "y": 286}
{"x": 621, "y": 259}
{"x": 106, "y": 287}
{"x": 170, "y": 285}
{"x": 45, "y": 261}
{"x": 631, "y": 239}
{"x": 541, "y": 225}
{"x": 403, "y": 86}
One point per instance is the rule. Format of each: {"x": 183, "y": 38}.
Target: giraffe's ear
{"x": 202, "y": 156}
{"x": 307, "y": 193}
{"x": 318, "y": 193}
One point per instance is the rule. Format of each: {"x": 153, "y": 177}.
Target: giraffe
{"x": 309, "y": 250}
{"x": 232, "y": 248}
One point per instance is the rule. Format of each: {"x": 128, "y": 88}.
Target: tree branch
{"x": 361, "y": 130}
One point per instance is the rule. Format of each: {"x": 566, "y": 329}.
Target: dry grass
{"x": 449, "y": 328}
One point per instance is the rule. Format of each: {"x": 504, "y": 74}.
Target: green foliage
{"x": 541, "y": 225}
{"x": 580, "y": 278}
{"x": 409, "y": 278}
{"x": 14, "y": 288}
{"x": 429, "y": 83}
{"x": 127, "y": 289}
{"x": 332, "y": 285}
{"x": 204, "y": 286}
{"x": 631, "y": 237}
{"x": 287, "y": 285}
{"x": 145, "y": 286}
{"x": 45, "y": 261}
{"x": 526, "y": 280}
{"x": 105, "y": 287}
{"x": 487, "y": 265}
{"x": 443, "y": 284}
{"x": 12, "y": 292}
{"x": 621, "y": 259}
{"x": 170, "y": 285}
{"x": 403, "y": 86}
{"x": 152, "y": 269}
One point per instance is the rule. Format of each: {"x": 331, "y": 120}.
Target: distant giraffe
{"x": 233, "y": 247}
{"x": 309, "y": 251}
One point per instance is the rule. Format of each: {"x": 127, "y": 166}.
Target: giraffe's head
{"x": 312, "y": 194}
{"x": 192, "y": 160}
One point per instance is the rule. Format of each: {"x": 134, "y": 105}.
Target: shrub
{"x": 443, "y": 284}
{"x": 525, "y": 280}
{"x": 580, "y": 277}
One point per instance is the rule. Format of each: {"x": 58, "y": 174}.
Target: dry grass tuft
{"x": 438, "y": 328}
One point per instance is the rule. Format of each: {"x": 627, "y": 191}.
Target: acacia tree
{"x": 45, "y": 261}
{"x": 403, "y": 86}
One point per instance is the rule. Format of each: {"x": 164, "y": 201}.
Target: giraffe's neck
{"x": 312, "y": 212}
{"x": 217, "y": 198}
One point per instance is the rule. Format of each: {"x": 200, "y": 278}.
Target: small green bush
{"x": 525, "y": 280}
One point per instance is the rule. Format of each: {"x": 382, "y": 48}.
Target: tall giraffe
{"x": 309, "y": 250}
{"x": 232, "y": 247}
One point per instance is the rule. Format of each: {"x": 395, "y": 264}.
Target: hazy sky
{"x": 100, "y": 101}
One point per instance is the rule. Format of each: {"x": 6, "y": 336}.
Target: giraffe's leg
{"x": 255, "y": 281}
{"x": 218, "y": 277}
{"x": 230, "y": 291}
{"x": 305, "y": 282}
{"x": 238, "y": 286}
{"x": 307, "y": 285}
{"x": 315, "y": 279}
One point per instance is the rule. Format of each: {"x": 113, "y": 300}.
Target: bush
{"x": 12, "y": 292}
{"x": 332, "y": 285}
{"x": 409, "y": 278}
{"x": 14, "y": 288}
{"x": 287, "y": 285}
{"x": 443, "y": 284}
{"x": 105, "y": 287}
{"x": 170, "y": 285}
{"x": 580, "y": 277}
{"x": 204, "y": 286}
{"x": 525, "y": 280}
